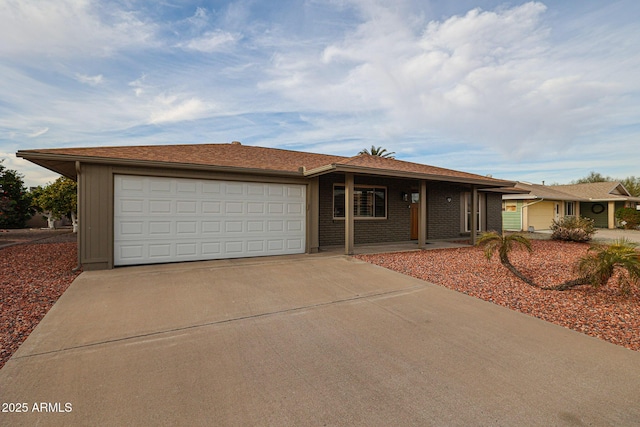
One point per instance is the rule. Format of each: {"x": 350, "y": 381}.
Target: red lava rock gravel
{"x": 32, "y": 278}
{"x": 603, "y": 313}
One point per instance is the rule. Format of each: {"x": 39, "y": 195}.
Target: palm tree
{"x": 378, "y": 151}
{"x": 504, "y": 244}
{"x": 601, "y": 262}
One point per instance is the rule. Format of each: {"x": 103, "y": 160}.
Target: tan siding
{"x": 178, "y": 173}
{"x": 96, "y": 223}
{"x": 541, "y": 215}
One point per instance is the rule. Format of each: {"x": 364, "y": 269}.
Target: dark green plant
{"x": 628, "y": 217}
{"x": 57, "y": 199}
{"x": 573, "y": 229}
{"x": 378, "y": 151}
{"x": 15, "y": 202}
{"x": 504, "y": 244}
{"x": 602, "y": 262}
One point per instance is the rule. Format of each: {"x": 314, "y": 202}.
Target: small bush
{"x": 573, "y": 229}
{"x": 601, "y": 262}
{"x": 629, "y": 218}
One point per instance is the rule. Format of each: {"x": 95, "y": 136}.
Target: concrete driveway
{"x": 605, "y": 235}
{"x": 305, "y": 340}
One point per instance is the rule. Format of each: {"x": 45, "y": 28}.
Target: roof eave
{"x": 61, "y": 163}
{"x": 404, "y": 174}
{"x": 520, "y": 196}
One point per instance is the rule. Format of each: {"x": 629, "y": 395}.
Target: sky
{"x": 528, "y": 91}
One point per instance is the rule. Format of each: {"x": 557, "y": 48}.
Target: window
{"x": 569, "y": 208}
{"x": 368, "y": 202}
{"x": 510, "y": 206}
{"x": 467, "y": 211}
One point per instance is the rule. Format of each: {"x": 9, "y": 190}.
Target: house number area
{"x": 43, "y": 407}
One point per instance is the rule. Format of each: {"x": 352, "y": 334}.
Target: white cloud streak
{"x": 211, "y": 41}
{"x": 528, "y": 86}
{"x": 68, "y": 27}
{"x": 488, "y": 78}
{"x": 90, "y": 80}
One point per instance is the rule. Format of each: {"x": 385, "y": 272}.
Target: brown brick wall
{"x": 395, "y": 228}
{"x": 494, "y": 212}
{"x": 444, "y": 219}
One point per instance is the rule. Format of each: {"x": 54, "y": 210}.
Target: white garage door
{"x": 172, "y": 219}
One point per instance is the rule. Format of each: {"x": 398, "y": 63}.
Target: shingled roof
{"x": 587, "y": 192}
{"x": 245, "y": 159}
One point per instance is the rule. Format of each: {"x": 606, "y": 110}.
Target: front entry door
{"x": 415, "y": 215}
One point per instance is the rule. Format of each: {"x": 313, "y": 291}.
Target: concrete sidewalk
{"x": 305, "y": 340}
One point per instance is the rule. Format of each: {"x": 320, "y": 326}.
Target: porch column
{"x": 474, "y": 213}
{"x": 348, "y": 214}
{"x": 422, "y": 221}
{"x": 611, "y": 212}
{"x": 313, "y": 215}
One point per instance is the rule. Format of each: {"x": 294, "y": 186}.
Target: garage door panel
{"x": 160, "y": 207}
{"x": 157, "y": 250}
{"x": 131, "y": 206}
{"x": 233, "y": 188}
{"x": 294, "y": 208}
{"x": 160, "y": 227}
{"x": 211, "y": 207}
{"x": 234, "y": 207}
{"x": 160, "y": 186}
{"x": 295, "y": 244}
{"x": 210, "y": 227}
{"x": 131, "y": 184}
{"x": 255, "y": 189}
{"x": 211, "y": 248}
{"x": 172, "y": 219}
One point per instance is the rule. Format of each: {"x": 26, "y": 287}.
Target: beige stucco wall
{"x": 540, "y": 215}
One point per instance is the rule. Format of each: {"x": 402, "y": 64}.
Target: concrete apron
{"x": 305, "y": 340}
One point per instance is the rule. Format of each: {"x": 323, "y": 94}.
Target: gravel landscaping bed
{"x": 32, "y": 278}
{"x": 603, "y": 313}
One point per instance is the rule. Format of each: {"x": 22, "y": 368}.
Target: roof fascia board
{"x": 402, "y": 174}
{"x": 519, "y": 197}
{"x": 319, "y": 170}
{"x": 148, "y": 163}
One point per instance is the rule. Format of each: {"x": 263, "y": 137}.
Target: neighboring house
{"x": 157, "y": 204}
{"x": 534, "y": 207}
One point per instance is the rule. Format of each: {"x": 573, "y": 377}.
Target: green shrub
{"x": 629, "y": 218}
{"x": 573, "y": 229}
{"x": 601, "y": 262}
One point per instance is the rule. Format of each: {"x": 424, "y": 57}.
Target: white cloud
{"x": 488, "y": 78}
{"x": 211, "y": 41}
{"x": 68, "y": 28}
{"x": 169, "y": 109}
{"x": 38, "y": 133}
{"x": 90, "y": 80}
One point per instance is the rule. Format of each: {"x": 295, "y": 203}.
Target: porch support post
{"x": 422, "y": 222}
{"x": 611, "y": 215}
{"x": 474, "y": 214}
{"x": 313, "y": 215}
{"x": 348, "y": 215}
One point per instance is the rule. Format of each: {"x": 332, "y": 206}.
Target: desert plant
{"x": 504, "y": 244}
{"x": 601, "y": 262}
{"x": 378, "y": 151}
{"x": 573, "y": 229}
{"x": 628, "y": 217}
